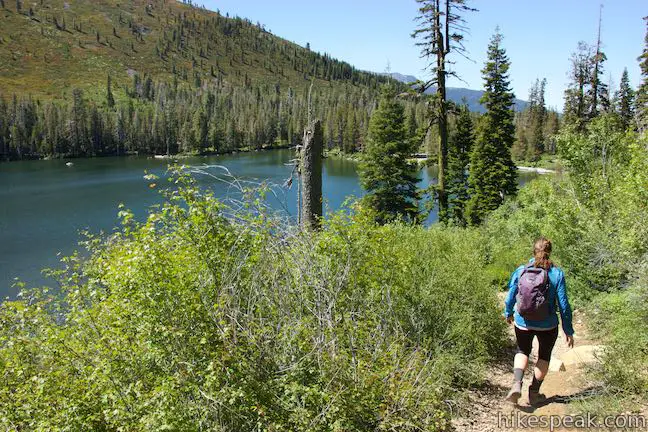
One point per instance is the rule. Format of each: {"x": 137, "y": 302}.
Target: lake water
{"x": 45, "y": 204}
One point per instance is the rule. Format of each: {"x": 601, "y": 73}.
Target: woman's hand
{"x": 570, "y": 340}
{"x": 509, "y": 319}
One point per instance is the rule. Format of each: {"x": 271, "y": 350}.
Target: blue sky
{"x": 539, "y": 36}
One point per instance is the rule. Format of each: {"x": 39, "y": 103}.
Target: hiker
{"x": 536, "y": 290}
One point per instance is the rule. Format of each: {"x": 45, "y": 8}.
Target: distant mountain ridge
{"x": 457, "y": 94}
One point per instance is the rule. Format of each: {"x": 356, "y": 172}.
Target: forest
{"x": 174, "y": 78}
{"x": 209, "y": 84}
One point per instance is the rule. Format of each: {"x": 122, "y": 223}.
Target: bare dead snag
{"x": 311, "y": 175}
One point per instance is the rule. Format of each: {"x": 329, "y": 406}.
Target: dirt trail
{"x": 487, "y": 411}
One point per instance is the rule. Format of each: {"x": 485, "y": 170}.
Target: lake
{"x": 45, "y": 204}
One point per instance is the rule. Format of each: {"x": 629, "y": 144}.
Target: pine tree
{"x": 642, "y": 92}
{"x": 625, "y": 100}
{"x": 441, "y": 31}
{"x": 410, "y": 123}
{"x": 493, "y": 175}
{"x": 538, "y": 116}
{"x": 598, "y": 95}
{"x": 460, "y": 145}
{"x": 576, "y": 109}
{"x": 351, "y": 133}
{"x": 148, "y": 92}
{"x": 552, "y": 127}
{"x": 77, "y": 131}
{"x": 385, "y": 172}
{"x": 110, "y": 100}
{"x": 200, "y": 130}
{"x": 530, "y": 125}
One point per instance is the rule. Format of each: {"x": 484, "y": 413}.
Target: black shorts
{"x": 546, "y": 341}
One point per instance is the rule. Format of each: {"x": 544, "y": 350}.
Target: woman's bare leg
{"x": 541, "y": 368}
{"x": 521, "y": 361}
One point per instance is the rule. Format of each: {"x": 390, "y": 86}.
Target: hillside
{"x": 457, "y": 94}
{"x": 93, "y": 78}
{"x": 52, "y": 46}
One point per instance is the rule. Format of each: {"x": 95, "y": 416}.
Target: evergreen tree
{"x": 385, "y": 172}
{"x": 441, "y": 31}
{"x": 110, "y": 100}
{"x": 200, "y": 131}
{"x": 351, "y": 133}
{"x": 552, "y": 126}
{"x": 642, "y": 92}
{"x": 598, "y": 95}
{"x": 520, "y": 148}
{"x": 530, "y": 125}
{"x": 625, "y": 100}
{"x": 148, "y": 91}
{"x": 493, "y": 175}
{"x": 460, "y": 145}
{"x": 410, "y": 124}
{"x": 120, "y": 133}
{"x": 576, "y": 109}
{"x": 538, "y": 117}
{"x": 77, "y": 131}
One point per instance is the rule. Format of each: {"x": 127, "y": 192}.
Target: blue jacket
{"x": 557, "y": 291}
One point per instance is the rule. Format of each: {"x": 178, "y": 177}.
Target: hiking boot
{"x": 535, "y": 397}
{"x": 514, "y": 394}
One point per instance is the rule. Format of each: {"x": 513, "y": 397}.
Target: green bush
{"x": 621, "y": 320}
{"x": 200, "y": 319}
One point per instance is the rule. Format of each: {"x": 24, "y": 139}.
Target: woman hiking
{"x": 536, "y": 290}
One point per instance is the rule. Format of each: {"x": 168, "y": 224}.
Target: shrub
{"x": 200, "y": 319}
{"x": 621, "y": 320}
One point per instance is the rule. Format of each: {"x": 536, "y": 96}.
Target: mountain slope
{"x": 49, "y": 47}
{"x": 457, "y": 94}
{"x": 111, "y": 77}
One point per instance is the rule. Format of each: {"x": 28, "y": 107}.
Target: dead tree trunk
{"x": 311, "y": 175}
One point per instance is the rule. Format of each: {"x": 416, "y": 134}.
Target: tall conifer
{"x": 493, "y": 175}
{"x": 460, "y": 145}
{"x": 625, "y": 100}
{"x": 576, "y": 109}
{"x": 642, "y": 92}
{"x": 537, "y": 121}
{"x": 385, "y": 172}
{"x": 110, "y": 100}
{"x": 440, "y": 30}
{"x": 598, "y": 95}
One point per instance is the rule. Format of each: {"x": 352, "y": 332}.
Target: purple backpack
{"x": 533, "y": 293}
